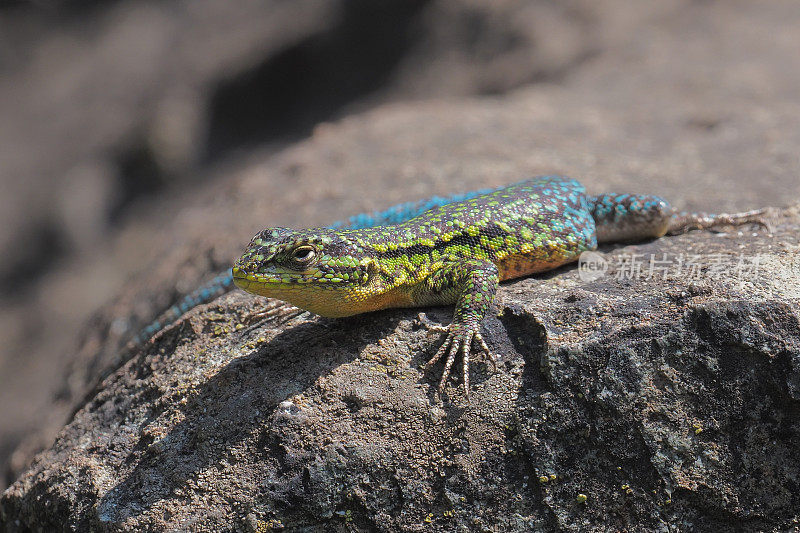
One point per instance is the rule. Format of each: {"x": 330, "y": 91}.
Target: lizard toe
{"x": 459, "y": 341}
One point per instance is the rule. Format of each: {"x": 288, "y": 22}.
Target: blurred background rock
{"x": 117, "y": 112}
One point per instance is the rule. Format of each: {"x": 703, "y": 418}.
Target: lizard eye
{"x": 303, "y": 254}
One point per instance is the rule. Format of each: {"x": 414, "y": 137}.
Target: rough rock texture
{"x": 683, "y": 387}
{"x": 111, "y": 111}
{"x": 670, "y": 403}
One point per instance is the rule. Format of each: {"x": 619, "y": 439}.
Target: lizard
{"x": 456, "y": 253}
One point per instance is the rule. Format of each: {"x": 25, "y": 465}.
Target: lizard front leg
{"x": 473, "y": 283}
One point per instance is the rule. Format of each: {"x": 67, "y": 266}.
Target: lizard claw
{"x": 274, "y": 311}
{"x": 430, "y": 326}
{"x": 459, "y": 340}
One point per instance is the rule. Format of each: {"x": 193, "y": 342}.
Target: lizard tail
{"x": 218, "y": 286}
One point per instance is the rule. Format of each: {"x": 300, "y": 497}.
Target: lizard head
{"x": 318, "y": 270}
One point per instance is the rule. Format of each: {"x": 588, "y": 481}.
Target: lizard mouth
{"x": 248, "y": 280}
{"x": 245, "y": 279}
{"x": 265, "y": 285}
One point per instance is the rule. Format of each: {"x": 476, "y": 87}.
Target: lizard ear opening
{"x": 372, "y": 271}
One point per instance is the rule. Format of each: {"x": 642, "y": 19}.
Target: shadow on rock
{"x": 232, "y": 406}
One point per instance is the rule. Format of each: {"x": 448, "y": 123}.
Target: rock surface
{"x": 685, "y": 387}
{"x": 668, "y": 403}
{"x": 113, "y": 110}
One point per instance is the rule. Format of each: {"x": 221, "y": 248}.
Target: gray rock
{"x": 617, "y": 388}
{"x": 667, "y": 403}
{"x": 108, "y": 107}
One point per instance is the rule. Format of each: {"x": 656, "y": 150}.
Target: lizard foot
{"x": 460, "y": 339}
{"x": 688, "y": 221}
{"x": 274, "y": 310}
